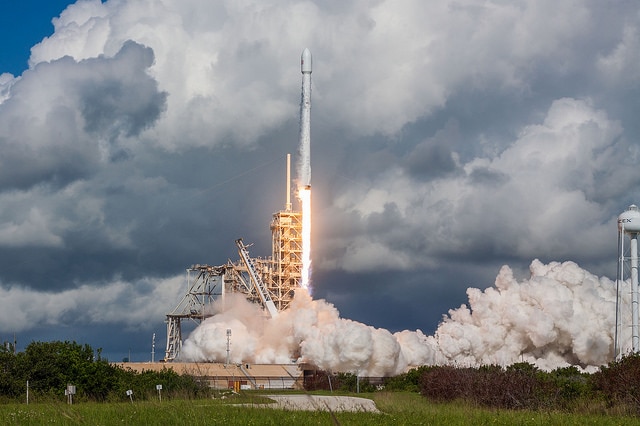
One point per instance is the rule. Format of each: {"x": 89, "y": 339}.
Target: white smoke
{"x": 562, "y": 315}
{"x": 309, "y": 331}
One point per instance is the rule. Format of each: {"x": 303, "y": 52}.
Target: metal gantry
{"x": 205, "y": 284}
{"x": 256, "y": 279}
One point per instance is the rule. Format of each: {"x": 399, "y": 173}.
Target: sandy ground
{"x": 323, "y": 403}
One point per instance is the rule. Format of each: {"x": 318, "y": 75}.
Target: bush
{"x": 519, "y": 386}
{"x": 618, "y": 383}
{"x": 409, "y": 381}
{"x": 567, "y": 386}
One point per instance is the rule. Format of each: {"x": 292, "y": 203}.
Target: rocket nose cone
{"x": 305, "y": 63}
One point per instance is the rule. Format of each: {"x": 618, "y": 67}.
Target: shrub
{"x": 619, "y": 382}
{"x": 567, "y": 386}
{"x": 517, "y": 387}
{"x": 409, "y": 381}
{"x": 446, "y": 383}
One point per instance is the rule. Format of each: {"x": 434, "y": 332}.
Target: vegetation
{"x": 398, "y": 408}
{"x": 342, "y": 382}
{"x": 49, "y": 367}
{"x": 520, "y": 394}
{"x": 614, "y": 389}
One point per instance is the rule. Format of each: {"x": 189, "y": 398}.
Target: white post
{"x": 288, "y": 204}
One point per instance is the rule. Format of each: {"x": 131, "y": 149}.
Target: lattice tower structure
{"x": 286, "y": 257}
{"x": 205, "y": 284}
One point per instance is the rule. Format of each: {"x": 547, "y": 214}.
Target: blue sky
{"x": 22, "y": 24}
{"x": 448, "y": 139}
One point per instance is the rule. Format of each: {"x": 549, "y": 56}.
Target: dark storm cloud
{"x": 486, "y": 176}
{"x": 119, "y": 97}
{"x": 45, "y": 140}
{"x": 435, "y": 157}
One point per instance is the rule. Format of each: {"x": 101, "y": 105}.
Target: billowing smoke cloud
{"x": 562, "y": 315}
{"x": 309, "y": 331}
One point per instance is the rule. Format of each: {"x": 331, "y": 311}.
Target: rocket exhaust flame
{"x": 305, "y": 200}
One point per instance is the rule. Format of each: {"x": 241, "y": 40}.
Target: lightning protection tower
{"x": 628, "y": 226}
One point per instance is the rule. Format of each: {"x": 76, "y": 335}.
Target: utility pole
{"x": 228, "y": 346}
{"x": 153, "y": 347}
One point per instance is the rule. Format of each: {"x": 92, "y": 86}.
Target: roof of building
{"x": 206, "y": 369}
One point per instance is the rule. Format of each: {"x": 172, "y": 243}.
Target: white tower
{"x": 628, "y": 224}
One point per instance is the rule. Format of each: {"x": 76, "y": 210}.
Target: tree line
{"x": 49, "y": 367}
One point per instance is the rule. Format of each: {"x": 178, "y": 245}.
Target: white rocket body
{"x": 304, "y": 170}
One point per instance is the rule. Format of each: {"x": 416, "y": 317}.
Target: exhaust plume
{"x": 562, "y": 315}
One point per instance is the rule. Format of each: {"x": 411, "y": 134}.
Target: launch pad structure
{"x": 270, "y": 281}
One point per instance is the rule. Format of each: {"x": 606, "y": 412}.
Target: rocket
{"x": 304, "y": 170}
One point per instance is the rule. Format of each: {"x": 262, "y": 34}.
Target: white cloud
{"x": 32, "y": 230}
{"x": 132, "y": 304}
{"x": 378, "y": 66}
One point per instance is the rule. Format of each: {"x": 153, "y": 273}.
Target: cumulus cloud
{"x": 136, "y": 305}
{"x": 65, "y": 118}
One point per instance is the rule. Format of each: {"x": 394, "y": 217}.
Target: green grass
{"x": 412, "y": 409}
{"x": 398, "y": 408}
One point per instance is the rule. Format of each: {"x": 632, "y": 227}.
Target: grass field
{"x": 398, "y": 408}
